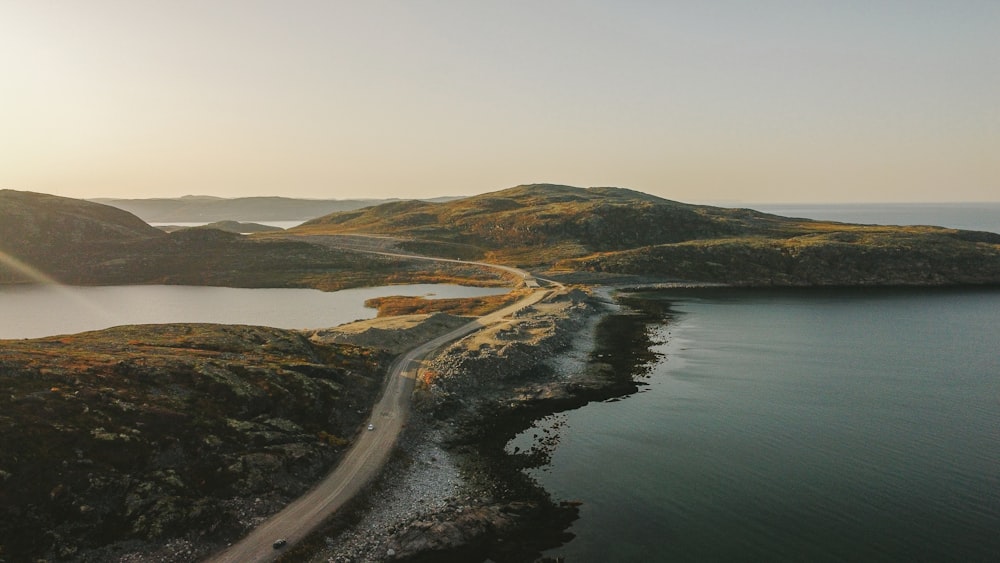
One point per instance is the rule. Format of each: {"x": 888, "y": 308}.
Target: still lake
{"x": 32, "y": 311}
{"x": 822, "y": 425}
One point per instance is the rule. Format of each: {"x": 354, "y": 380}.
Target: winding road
{"x": 370, "y": 451}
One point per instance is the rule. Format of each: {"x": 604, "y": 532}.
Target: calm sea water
{"x": 805, "y": 426}
{"x": 796, "y": 426}
{"x": 32, "y": 311}
{"x": 799, "y": 426}
{"x": 982, "y": 216}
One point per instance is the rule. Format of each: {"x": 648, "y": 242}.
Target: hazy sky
{"x": 699, "y": 101}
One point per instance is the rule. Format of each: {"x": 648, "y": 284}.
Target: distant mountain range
{"x": 197, "y": 209}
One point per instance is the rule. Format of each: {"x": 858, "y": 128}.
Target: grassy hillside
{"x": 622, "y": 231}
{"x": 159, "y": 432}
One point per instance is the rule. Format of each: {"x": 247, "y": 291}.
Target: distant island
{"x": 238, "y": 227}
{"x": 197, "y": 209}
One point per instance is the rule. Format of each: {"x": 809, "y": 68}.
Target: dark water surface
{"x": 858, "y": 425}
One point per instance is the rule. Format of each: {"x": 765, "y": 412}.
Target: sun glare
{"x": 15, "y": 271}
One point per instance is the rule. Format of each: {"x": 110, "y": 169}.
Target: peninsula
{"x": 171, "y": 441}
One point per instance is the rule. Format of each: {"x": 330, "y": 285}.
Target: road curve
{"x": 364, "y": 460}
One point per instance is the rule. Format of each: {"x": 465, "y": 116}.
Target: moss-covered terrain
{"x": 128, "y": 438}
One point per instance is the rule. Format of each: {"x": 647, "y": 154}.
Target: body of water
{"x": 280, "y": 224}
{"x": 983, "y": 216}
{"x": 818, "y": 425}
{"x": 31, "y": 311}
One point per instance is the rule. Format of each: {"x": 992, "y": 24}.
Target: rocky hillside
{"x": 134, "y": 437}
{"x": 612, "y": 230}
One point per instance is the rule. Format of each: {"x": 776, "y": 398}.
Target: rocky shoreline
{"x": 454, "y": 492}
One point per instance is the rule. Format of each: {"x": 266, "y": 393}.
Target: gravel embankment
{"x": 426, "y": 498}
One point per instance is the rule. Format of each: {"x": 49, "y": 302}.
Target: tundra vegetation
{"x": 564, "y": 230}
{"x": 158, "y": 432}
{"x": 193, "y": 432}
{"x": 585, "y": 234}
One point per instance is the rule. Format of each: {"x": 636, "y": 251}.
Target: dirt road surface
{"x": 366, "y": 457}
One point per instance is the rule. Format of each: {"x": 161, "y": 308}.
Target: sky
{"x": 702, "y": 102}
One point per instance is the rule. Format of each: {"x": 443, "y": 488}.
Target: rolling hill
{"x": 560, "y": 230}
{"x": 613, "y": 230}
{"x": 35, "y": 223}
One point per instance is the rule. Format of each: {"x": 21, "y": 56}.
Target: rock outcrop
{"x": 507, "y": 366}
{"x": 461, "y": 532}
{"x": 130, "y": 438}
